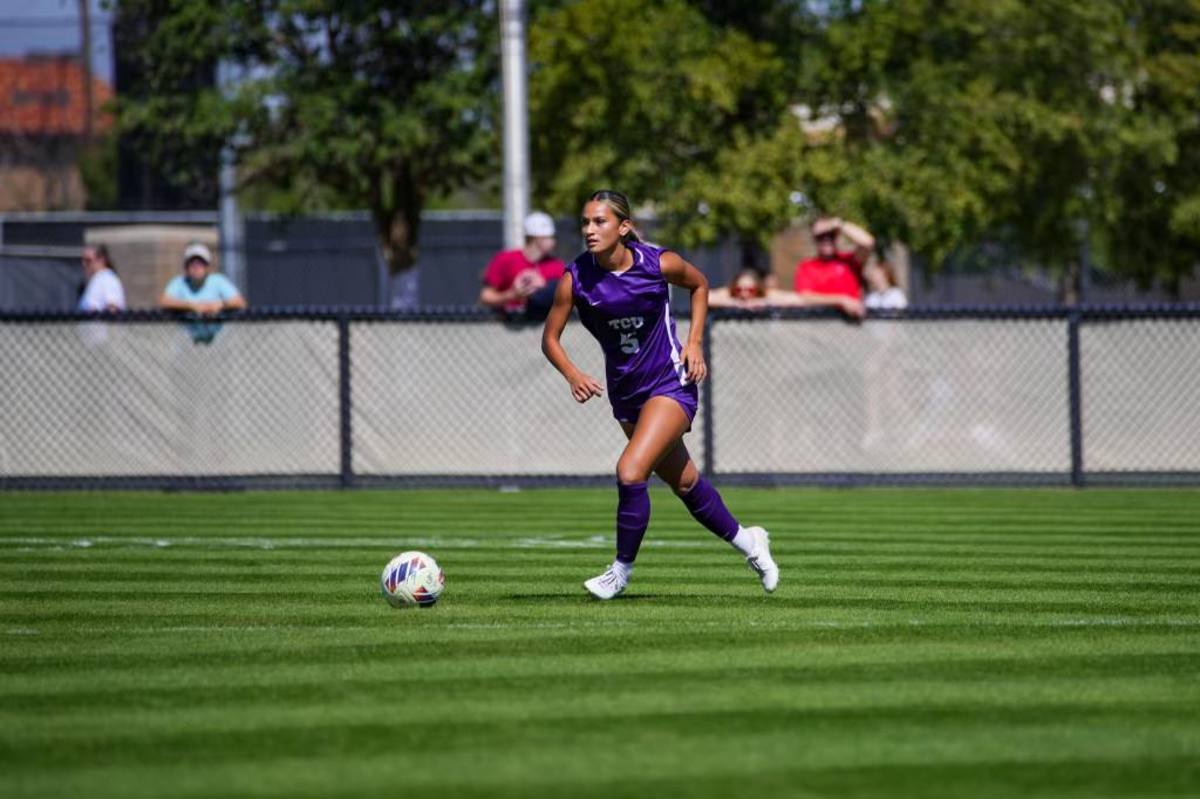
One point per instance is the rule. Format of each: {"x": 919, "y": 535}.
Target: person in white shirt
{"x": 103, "y": 291}
{"x": 882, "y": 291}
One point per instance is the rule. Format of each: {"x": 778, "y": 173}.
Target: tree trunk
{"x": 397, "y": 215}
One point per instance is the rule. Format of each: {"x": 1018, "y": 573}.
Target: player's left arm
{"x": 679, "y": 272}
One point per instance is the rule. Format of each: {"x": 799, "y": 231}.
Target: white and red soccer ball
{"x": 412, "y": 579}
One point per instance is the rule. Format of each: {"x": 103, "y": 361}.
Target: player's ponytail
{"x": 619, "y": 204}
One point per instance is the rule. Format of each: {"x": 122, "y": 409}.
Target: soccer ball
{"x": 412, "y": 578}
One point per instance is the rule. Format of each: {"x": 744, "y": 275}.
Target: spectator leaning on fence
{"x": 833, "y": 277}
{"x": 102, "y": 290}
{"x": 749, "y": 291}
{"x": 200, "y": 291}
{"x": 520, "y": 283}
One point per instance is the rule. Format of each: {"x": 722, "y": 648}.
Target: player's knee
{"x": 630, "y": 471}
{"x": 687, "y": 481}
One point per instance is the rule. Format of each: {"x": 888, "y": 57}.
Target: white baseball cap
{"x": 197, "y": 250}
{"x": 539, "y": 223}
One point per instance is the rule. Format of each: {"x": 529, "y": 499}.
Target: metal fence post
{"x": 1075, "y": 398}
{"x": 344, "y": 400}
{"x": 707, "y": 398}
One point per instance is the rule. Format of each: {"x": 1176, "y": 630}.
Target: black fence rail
{"x": 350, "y": 397}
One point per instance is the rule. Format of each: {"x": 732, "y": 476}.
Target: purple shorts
{"x": 687, "y": 397}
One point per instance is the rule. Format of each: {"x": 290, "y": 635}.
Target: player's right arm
{"x": 583, "y": 386}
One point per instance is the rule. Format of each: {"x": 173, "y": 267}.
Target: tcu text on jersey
{"x": 629, "y": 342}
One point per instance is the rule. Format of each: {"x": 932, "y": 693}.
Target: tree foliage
{"x": 373, "y": 103}
{"x": 638, "y": 95}
{"x": 1044, "y": 125}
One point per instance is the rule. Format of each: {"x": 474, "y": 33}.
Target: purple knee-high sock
{"x": 633, "y": 516}
{"x": 709, "y": 509}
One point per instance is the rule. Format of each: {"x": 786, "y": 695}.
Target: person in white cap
{"x": 200, "y": 291}
{"x": 520, "y": 283}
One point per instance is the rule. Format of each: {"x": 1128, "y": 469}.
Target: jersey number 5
{"x": 629, "y": 343}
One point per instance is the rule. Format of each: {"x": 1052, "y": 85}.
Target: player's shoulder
{"x": 580, "y": 263}
{"x": 649, "y": 249}
{"x": 649, "y": 255}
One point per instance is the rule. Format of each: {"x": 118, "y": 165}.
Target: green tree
{"x": 1042, "y": 125}
{"x": 374, "y": 103}
{"x": 1153, "y": 230}
{"x": 639, "y": 96}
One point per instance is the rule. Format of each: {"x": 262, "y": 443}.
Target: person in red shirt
{"x": 520, "y": 283}
{"x": 834, "y": 277}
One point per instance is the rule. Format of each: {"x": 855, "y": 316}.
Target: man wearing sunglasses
{"x": 834, "y": 277}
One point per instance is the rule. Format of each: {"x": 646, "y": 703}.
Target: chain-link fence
{"x": 370, "y": 398}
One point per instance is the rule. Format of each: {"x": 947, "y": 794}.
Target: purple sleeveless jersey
{"x": 629, "y": 314}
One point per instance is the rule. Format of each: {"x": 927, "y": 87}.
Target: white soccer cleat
{"x": 760, "y": 560}
{"x": 607, "y": 585}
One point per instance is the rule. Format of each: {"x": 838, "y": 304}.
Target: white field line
{"x": 33, "y": 544}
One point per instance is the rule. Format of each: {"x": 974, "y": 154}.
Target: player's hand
{"x": 693, "y": 362}
{"x": 853, "y": 308}
{"x": 584, "y": 387}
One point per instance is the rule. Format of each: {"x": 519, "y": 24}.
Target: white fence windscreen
{"x": 99, "y": 398}
{"x": 378, "y": 396}
{"x": 957, "y": 395}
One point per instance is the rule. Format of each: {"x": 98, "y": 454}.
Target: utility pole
{"x": 230, "y": 222}
{"x": 85, "y": 58}
{"x": 516, "y": 121}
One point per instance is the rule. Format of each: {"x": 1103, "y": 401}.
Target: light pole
{"x": 516, "y": 121}
{"x": 230, "y": 221}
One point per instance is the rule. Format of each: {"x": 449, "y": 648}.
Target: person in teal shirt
{"x": 200, "y": 291}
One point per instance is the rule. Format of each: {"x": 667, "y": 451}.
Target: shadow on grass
{"x": 577, "y": 597}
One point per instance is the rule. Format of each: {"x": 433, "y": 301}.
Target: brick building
{"x": 46, "y": 117}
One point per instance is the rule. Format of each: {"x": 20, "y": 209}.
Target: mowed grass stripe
{"x": 34, "y": 580}
{"x": 1113, "y": 680}
{"x": 215, "y": 737}
{"x": 775, "y": 667}
{"x": 922, "y": 630}
{"x": 818, "y": 771}
{"x": 800, "y": 568}
{"x": 1184, "y": 539}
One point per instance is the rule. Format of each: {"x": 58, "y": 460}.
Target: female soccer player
{"x": 619, "y": 287}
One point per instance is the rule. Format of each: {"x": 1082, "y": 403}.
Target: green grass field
{"x": 922, "y": 642}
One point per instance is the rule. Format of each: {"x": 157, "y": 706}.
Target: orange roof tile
{"x": 43, "y": 96}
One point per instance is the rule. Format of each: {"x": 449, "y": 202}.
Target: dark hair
{"x": 101, "y": 251}
{"x": 619, "y": 204}
{"x": 760, "y": 283}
